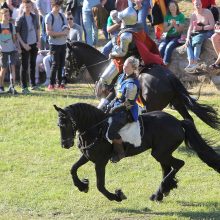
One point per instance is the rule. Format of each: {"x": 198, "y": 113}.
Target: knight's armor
{"x": 124, "y": 106}
{"x": 127, "y": 94}
{"x": 122, "y": 47}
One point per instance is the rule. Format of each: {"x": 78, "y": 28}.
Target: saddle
{"x": 131, "y": 133}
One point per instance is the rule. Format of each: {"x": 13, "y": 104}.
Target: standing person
{"x": 100, "y": 15}
{"x": 124, "y": 106}
{"x": 200, "y": 28}
{"x": 57, "y": 30}
{"x": 43, "y": 7}
{"x": 91, "y": 30}
{"x": 78, "y": 12}
{"x": 7, "y": 47}
{"x": 173, "y": 25}
{"x": 28, "y": 33}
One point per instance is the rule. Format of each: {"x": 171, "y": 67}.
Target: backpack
{"x": 157, "y": 16}
{"x": 60, "y": 14}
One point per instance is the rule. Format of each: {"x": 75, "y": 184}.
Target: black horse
{"x": 159, "y": 86}
{"x": 163, "y": 134}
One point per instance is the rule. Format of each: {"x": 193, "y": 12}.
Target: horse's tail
{"x": 194, "y": 140}
{"x": 206, "y": 113}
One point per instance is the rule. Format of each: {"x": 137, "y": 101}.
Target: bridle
{"x": 73, "y": 125}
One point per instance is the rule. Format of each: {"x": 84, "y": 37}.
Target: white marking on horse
{"x": 130, "y": 133}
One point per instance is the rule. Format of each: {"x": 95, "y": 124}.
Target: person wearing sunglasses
{"x": 75, "y": 30}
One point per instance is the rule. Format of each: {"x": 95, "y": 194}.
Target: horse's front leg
{"x": 100, "y": 178}
{"x": 83, "y": 185}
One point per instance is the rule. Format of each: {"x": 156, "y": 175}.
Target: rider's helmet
{"x": 128, "y": 16}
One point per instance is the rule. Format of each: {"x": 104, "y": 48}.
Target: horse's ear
{"x": 59, "y": 109}
{"x": 69, "y": 44}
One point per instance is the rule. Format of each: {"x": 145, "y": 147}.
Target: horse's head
{"x": 72, "y": 64}
{"x": 67, "y": 127}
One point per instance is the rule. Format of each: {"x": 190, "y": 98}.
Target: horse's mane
{"x": 88, "y": 47}
{"x": 85, "y": 115}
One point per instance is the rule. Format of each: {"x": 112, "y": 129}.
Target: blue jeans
{"x": 91, "y": 31}
{"x": 143, "y": 13}
{"x": 106, "y": 34}
{"x": 44, "y": 37}
{"x": 106, "y": 50}
{"x": 166, "y": 48}
{"x": 78, "y": 15}
{"x": 193, "y": 53}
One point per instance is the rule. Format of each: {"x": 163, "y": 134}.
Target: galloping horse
{"x": 162, "y": 133}
{"x": 159, "y": 86}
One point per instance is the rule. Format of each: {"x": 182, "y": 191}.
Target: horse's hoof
{"x": 120, "y": 195}
{"x": 166, "y": 193}
{"x": 85, "y": 187}
{"x": 152, "y": 197}
{"x": 157, "y": 197}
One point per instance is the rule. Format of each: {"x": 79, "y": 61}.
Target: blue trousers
{"x": 166, "y": 48}
{"x": 119, "y": 120}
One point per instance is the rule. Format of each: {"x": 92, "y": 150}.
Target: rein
{"x": 94, "y": 126}
{"x": 78, "y": 69}
{"x": 95, "y": 64}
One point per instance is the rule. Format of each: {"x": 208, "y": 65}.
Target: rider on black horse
{"x": 131, "y": 40}
{"x": 124, "y": 107}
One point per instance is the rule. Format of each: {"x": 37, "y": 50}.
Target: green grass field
{"x": 36, "y": 182}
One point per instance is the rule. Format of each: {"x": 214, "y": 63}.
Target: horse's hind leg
{"x": 169, "y": 182}
{"x": 83, "y": 185}
{"x": 167, "y": 186}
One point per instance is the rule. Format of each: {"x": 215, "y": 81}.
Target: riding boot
{"x": 119, "y": 152}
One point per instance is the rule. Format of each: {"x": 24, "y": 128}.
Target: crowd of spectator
{"x": 37, "y": 33}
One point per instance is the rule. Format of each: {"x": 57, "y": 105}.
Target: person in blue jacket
{"x": 124, "y": 108}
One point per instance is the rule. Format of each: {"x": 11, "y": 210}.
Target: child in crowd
{"x": 8, "y": 49}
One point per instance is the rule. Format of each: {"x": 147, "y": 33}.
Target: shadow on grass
{"x": 133, "y": 211}
{"x": 213, "y": 213}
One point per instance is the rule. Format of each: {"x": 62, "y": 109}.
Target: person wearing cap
{"x": 57, "y": 30}
{"x": 124, "y": 108}
{"x": 28, "y": 34}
